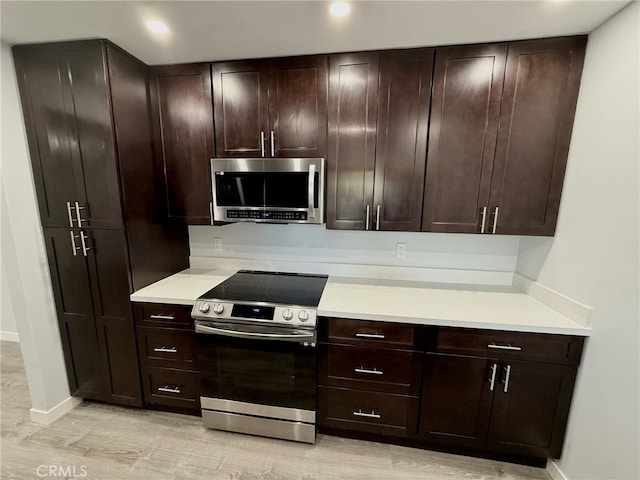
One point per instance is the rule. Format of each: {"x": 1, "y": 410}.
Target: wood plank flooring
{"x": 103, "y": 442}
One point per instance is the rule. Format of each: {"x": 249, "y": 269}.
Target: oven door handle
{"x": 292, "y": 337}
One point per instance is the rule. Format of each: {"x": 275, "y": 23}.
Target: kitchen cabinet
{"x": 91, "y": 289}
{"x": 185, "y": 113}
{"x": 168, "y": 357}
{"x": 504, "y": 392}
{"x": 86, "y": 106}
{"x": 369, "y": 377}
{"x": 378, "y": 122}
{"x": 498, "y": 141}
{"x": 271, "y": 108}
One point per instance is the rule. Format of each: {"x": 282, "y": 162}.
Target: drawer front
{"x": 371, "y": 334}
{"x": 176, "y": 388}
{"x": 379, "y": 370}
{"x": 361, "y": 411}
{"x": 545, "y": 348}
{"x": 163, "y": 315}
{"x": 167, "y": 347}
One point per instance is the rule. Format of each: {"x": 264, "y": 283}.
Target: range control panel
{"x": 263, "y": 314}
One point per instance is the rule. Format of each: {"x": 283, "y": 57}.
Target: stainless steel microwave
{"x": 269, "y": 190}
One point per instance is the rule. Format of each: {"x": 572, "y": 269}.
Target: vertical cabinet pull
{"x": 507, "y": 375}
{"x": 83, "y": 242}
{"x": 367, "y": 215}
{"x": 492, "y": 381}
{"x": 78, "y": 216}
{"x": 74, "y": 248}
{"x": 273, "y": 143}
{"x": 70, "y": 214}
{"x": 495, "y": 220}
{"x": 261, "y": 143}
{"x": 378, "y": 217}
{"x": 483, "y": 214}
{"x": 211, "y": 212}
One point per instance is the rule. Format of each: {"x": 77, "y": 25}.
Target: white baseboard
{"x": 9, "y": 336}
{"x": 554, "y": 471}
{"x": 50, "y": 416}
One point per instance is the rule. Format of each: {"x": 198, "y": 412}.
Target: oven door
{"x": 263, "y": 366}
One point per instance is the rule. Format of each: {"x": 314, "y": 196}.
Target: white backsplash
{"x": 433, "y": 257}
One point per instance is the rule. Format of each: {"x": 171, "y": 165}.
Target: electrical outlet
{"x": 401, "y": 250}
{"x": 217, "y": 243}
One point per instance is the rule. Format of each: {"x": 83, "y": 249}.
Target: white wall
{"x": 23, "y": 256}
{"x": 429, "y": 256}
{"x": 594, "y": 257}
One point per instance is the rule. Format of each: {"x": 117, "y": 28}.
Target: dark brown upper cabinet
{"x": 378, "y": 123}
{"x": 186, "y": 137}
{"x": 499, "y": 136}
{"x": 541, "y": 84}
{"x": 70, "y": 134}
{"x": 271, "y": 108}
{"x": 465, "y": 110}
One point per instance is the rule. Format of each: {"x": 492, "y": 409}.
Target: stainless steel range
{"x": 256, "y": 347}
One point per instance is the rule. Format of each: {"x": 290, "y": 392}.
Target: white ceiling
{"x": 218, "y": 30}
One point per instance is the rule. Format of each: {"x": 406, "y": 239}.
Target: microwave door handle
{"x": 312, "y": 190}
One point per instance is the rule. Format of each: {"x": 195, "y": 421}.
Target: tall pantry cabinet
{"x": 86, "y": 107}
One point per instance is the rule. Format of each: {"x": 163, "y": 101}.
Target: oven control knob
{"x": 204, "y": 307}
{"x": 303, "y": 316}
{"x": 218, "y": 308}
{"x": 287, "y": 314}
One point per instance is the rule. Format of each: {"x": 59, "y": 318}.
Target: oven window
{"x": 256, "y": 371}
{"x": 273, "y": 189}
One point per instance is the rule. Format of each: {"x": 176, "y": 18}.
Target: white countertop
{"x": 492, "y": 308}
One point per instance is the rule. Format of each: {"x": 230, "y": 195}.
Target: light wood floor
{"x": 115, "y": 443}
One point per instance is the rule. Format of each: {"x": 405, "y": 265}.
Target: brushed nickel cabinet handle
{"x": 366, "y": 370}
{"x": 70, "y": 214}
{"x": 166, "y": 349}
{"x": 370, "y": 335}
{"x": 504, "y": 347}
{"x": 211, "y": 212}
{"x": 273, "y": 143}
{"x": 78, "y": 216}
{"x": 168, "y": 389}
{"x": 360, "y": 413}
{"x": 507, "y": 375}
{"x": 368, "y": 214}
{"x": 261, "y": 143}
{"x": 495, "y": 220}
{"x": 74, "y": 249}
{"x": 492, "y": 383}
{"x": 378, "y": 217}
{"x": 83, "y": 239}
{"x": 162, "y": 317}
{"x": 484, "y": 219}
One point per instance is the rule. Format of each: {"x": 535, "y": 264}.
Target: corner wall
{"x": 594, "y": 256}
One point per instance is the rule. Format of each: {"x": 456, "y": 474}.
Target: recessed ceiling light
{"x": 339, "y": 9}
{"x": 157, "y": 27}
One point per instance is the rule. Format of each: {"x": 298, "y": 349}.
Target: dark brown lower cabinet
{"x": 168, "y": 357}
{"x": 90, "y": 278}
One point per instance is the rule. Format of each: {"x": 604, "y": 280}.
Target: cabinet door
{"x": 186, "y": 130}
{"x": 530, "y": 409}
{"x": 241, "y": 108}
{"x": 401, "y": 149}
{"x": 298, "y": 106}
{"x": 72, "y": 292}
{"x": 467, "y": 89}
{"x": 538, "y": 105}
{"x": 108, "y": 266}
{"x": 58, "y": 179}
{"x": 353, "y": 105}
{"x": 456, "y": 399}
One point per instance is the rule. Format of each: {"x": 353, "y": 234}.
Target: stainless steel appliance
{"x": 273, "y": 190}
{"x": 256, "y": 336}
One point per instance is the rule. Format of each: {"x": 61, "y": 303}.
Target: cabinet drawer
{"x": 163, "y": 315}
{"x": 562, "y": 349}
{"x": 167, "y": 347}
{"x": 379, "y": 370}
{"x": 167, "y": 386}
{"x": 370, "y": 334}
{"x": 361, "y": 411}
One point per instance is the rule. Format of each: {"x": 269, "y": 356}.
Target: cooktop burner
{"x": 270, "y": 287}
